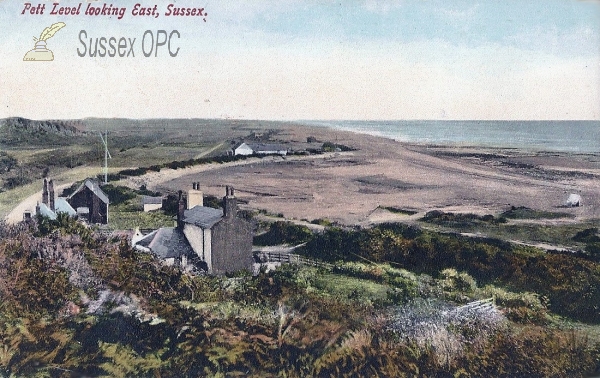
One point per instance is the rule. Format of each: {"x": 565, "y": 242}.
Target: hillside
{"x": 21, "y": 131}
{"x": 76, "y": 303}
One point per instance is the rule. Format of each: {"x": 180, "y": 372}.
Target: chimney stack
{"x": 195, "y": 196}
{"x": 229, "y": 203}
{"x": 45, "y": 193}
{"x": 180, "y": 211}
{"x": 51, "y": 195}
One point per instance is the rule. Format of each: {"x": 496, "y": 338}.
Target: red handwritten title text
{"x": 110, "y": 10}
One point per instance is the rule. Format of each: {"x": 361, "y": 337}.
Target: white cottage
{"x": 260, "y": 149}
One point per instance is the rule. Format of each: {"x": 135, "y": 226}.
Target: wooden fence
{"x": 291, "y": 258}
{"x": 480, "y": 305}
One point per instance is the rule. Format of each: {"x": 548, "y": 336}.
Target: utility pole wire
{"x": 106, "y": 155}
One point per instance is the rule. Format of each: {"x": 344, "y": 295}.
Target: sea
{"x": 559, "y": 136}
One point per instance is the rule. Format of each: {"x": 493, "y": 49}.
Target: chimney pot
{"x": 51, "y": 195}
{"x": 45, "y": 193}
{"x": 180, "y": 210}
{"x": 194, "y": 196}
{"x": 229, "y": 203}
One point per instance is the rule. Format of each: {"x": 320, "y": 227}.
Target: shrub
{"x": 133, "y": 172}
{"x": 7, "y": 162}
{"x": 589, "y": 235}
{"x": 524, "y": 307}
{"x": 284, "y": 233}
{"x": 522, "y": 212}
{"x": 454, "y": 281}
{"x": 118, "y": 194}
{"x": 444, "y": 328}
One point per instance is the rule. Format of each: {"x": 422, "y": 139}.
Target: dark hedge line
{"x": 184, "y": 164}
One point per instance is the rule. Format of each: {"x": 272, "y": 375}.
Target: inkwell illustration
{"x": 40, "y": 52}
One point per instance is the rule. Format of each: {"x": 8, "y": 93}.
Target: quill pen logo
{"x": 40, "y": 53}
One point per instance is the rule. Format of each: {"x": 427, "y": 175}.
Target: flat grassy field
{"x": 132, "y": 143}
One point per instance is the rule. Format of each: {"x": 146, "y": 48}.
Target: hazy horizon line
{"x": 302, "y": 120}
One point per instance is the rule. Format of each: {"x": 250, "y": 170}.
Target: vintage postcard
{"x": 366, "y": 188}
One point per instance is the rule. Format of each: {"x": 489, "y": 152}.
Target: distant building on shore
{"x": 260, "y": 149}
{"x": 574, "y": 200}
{"x": 216, "y": 240}
{"x": 88, "y": 203}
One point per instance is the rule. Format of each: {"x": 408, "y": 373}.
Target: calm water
{"x": 562, "y": 136}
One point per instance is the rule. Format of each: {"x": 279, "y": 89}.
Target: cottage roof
{"x": 148, "y": 200}
{"x": 94, "y": 187}
{"x": 203, "y": 217}
{"x": 243, "y": 145}
{"x": 261, "y": 147}
{"x": 62, "y": 206}
{"x": 266, "y": 147}
{"x": 167, "y": 242}
{"x": 46, "y": 212}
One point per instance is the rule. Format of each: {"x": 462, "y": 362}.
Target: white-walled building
{"x": 260, "y": 149}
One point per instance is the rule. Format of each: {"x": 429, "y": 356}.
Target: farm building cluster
{"x": 215, "y": 241}
{"x": 260, "y": 149}
{"x": 88, "y": 202}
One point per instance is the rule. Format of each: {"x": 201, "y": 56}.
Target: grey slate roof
{"x": 94, "y": 187}
{"x": 148, "y": 200}
{"x": 242, "y": 144}
{"x": 203, "y": 217}
{"x": 167, "y": 242}
{"x": 62, "y": 206}
{"x": 266, "y": 147}
{"x": 46, "y": 212}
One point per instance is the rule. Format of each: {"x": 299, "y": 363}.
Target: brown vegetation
{"x": 76, "y": 303}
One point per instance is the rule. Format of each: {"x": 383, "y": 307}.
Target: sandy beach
{"x": 353, "y": 187}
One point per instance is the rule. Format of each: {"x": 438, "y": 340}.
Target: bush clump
{"x": 460, "y": 220}
{"x": 284, "y": 233}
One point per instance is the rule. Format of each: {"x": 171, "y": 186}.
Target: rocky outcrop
{"x": 19, "y": 131}
{"x": 48, "y": 126}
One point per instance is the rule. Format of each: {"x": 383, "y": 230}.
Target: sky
{"x": 304, "y": 59}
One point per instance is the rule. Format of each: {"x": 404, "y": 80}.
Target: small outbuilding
{"x": 260, "y": 149}
{"x": 574, "y": 200}
{"x": 152, "y": 203}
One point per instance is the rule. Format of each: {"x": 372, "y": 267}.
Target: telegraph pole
{"x": 106, "y": 155}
